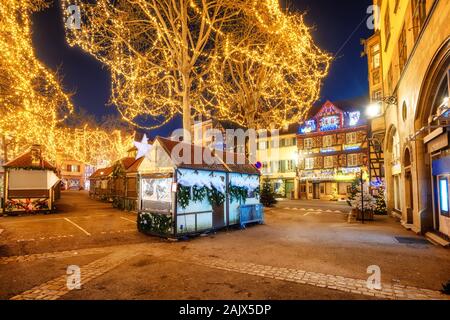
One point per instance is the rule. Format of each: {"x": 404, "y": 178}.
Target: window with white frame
{"x": 328, "y": 162}
{"x": 309, "y": 163}
{"x": 308, "y": 143}
{"x": 327, "y": 141}
{"x": 351, "y": 138}
{"x": 352, "y": 160}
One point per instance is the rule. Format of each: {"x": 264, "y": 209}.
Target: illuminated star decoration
{"x": 143, "y": 147}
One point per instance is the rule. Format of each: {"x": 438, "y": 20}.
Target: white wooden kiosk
{"x": 178, "y": 197}
{"x": 31, "y": 183}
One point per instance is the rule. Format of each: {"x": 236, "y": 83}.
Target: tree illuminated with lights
{"x": 31, "y": 100}
{"x": 268, "y": 72}
{"x": 167, "y": 57}
{"x": 33, "y": 105}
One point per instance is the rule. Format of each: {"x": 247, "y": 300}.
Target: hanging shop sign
{"x": 396, "y": 169}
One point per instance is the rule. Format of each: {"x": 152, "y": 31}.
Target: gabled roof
{"x": 169, "y": 145}
{"x": 217, "y": 164}
{"x": 135, "y": 165}
{"x": 127, "y": 162}
{"x": 103, "y": 172}
{"x": 328, "y": 108}
{"x": 25, "y": 161}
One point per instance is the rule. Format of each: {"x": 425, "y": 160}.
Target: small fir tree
{"x": 267, "y": 196}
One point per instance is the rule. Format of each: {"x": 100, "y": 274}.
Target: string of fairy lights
{"x": 245, "y": 61}
{"x": 33, "y": 105}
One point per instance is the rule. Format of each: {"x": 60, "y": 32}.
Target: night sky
{"x": 334, "y": 23}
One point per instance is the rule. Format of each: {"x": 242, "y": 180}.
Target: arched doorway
{"x": 433, "y": 120}
{"x": 393, "y": 171}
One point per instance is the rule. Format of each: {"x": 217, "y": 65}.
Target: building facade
{"x": 72, "y": 175}
{"x": 278, "y": 154}
{"x": 413, "y": 37}
{"x": 332, "y": 148}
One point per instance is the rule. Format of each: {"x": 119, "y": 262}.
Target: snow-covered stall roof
{"x": 160, "y": 159}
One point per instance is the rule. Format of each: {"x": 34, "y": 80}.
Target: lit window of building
{"x": 309, "y": 163}
{"x": 351, "y": 138}
{"x": 352, "y": 160}
{"x": 327, "y": 141}
{"x": 309, "y": 143}
{"x": 328, "y": 162}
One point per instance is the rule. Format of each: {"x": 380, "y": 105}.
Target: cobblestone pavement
{"x": 51, "y": 255}
{"x": 56, "y": 288}
{"x": 333, "y": 282}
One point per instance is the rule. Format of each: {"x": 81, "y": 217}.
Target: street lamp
{"x": 374, "y": 110}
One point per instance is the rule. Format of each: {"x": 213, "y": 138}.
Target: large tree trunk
{"x": 186, "y": 112}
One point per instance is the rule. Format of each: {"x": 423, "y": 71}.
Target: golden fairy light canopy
{"x": 242, "y": 60}
{"x": 33, "y": 105}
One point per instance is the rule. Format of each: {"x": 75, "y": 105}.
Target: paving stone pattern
{"x": 333, "y": 282}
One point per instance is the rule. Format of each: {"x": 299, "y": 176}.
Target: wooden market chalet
{"x": 154, "y": 185}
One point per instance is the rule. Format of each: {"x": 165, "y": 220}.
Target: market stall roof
{"x": 127, "y": 162}
{"x": 217, "y": 164}
{"x": 26, "y": 161}
{"x": 134, "y": 167}
{"x": 103, "y": 172}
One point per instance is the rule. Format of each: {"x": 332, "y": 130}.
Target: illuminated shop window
{"x": 443, "y": 196}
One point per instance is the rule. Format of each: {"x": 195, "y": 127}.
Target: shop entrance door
{"x": 316, "y": 191}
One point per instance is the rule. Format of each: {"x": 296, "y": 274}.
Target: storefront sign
{"x": 441, "y": 166}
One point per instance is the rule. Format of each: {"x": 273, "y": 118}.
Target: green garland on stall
{"x": 183, "y": 196}
{"x": 199, "y": 194}
{"x": 238, "y": 194}
{"x": 154, "y": 223}
{"x": 215, "y": 197}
